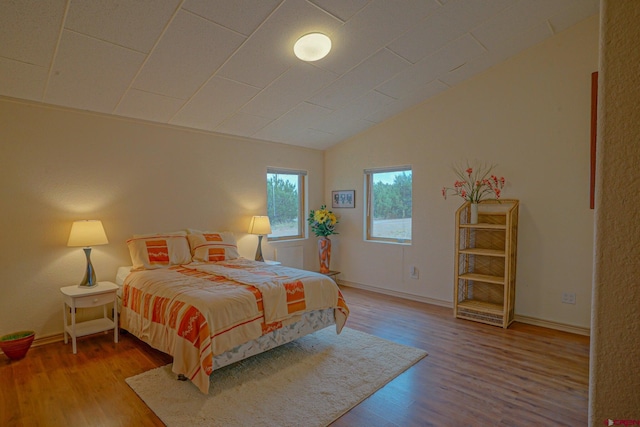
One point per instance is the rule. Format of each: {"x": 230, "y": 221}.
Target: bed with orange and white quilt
{"x": 207, "y": 313}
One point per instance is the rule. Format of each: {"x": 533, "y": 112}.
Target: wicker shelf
{"x": 498, "y": 280}
{"x": 481, "y": 306}
{"x": 485, "y": 265}
{"x": 486, "y": 226}
{"x": 480, "y": 251}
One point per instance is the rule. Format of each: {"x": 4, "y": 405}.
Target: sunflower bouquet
{"x": 322, "y": 221}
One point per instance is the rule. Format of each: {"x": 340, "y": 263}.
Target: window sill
{"x": 390, "y": 242}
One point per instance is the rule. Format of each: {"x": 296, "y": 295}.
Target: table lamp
{"x": 87, "y": 233}
{"x": 261, "y": 226}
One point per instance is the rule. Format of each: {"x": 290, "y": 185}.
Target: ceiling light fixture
{"x": 312, "y": 47}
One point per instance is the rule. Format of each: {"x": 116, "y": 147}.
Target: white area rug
{"x": 309, "y": 382}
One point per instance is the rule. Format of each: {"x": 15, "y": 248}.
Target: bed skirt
{"x": 309, "y": 323}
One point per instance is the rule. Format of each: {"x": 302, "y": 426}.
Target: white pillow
{"x": 151, "y": 251}
{"x": 211, "y": 246}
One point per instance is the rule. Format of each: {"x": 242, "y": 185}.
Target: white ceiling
{"x": 228, "y": 65}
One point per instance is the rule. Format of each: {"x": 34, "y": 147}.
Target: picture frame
{"x": 343, "y": 199}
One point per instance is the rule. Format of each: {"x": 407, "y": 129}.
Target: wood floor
{"x": 475, "y": 375}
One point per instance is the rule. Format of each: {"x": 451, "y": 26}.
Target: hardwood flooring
{"x": 475, "y": 375}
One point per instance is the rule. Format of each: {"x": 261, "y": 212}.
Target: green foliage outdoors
{"x": 393, "y": 201}
{"x": 282, "y": 200}
{"x": 390, "y": 200}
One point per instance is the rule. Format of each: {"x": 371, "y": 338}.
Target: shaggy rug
{"x": 309, "y": 382}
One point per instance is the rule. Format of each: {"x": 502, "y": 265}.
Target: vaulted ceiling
{"x": 228, "y": 66}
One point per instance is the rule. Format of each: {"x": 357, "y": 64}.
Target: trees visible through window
{"x": 285, "y": 203}
{"x": 389, "y": 204}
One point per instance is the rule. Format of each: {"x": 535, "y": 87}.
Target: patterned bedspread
{"x": 194, "y": 312}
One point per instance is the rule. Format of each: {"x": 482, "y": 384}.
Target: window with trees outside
{"x": 389, "y": 204}
{"x": 285, "y": 203}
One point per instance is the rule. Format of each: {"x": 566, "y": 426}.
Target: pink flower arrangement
{"x": 475, "y": 184}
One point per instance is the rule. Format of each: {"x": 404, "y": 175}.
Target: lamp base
{"x": 82, "y": 285}
{"x": 89, "y": 280}
{"x": 259, "y": 256}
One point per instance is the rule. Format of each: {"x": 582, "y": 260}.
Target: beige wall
{"x": 615, "y": 345}
{"x": 57, "y": 166}
{"x": 531, "y": 116}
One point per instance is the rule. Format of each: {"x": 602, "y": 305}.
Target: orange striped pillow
{"x": 212, "y": 246}
{"x": 151, "y": 251}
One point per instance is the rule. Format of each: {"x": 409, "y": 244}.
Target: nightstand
{"x": 75, "y": 297}
{"x": 332, "y": 274}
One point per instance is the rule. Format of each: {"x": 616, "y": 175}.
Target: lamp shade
{"x": 88, "y": 232}
{"x": 260, "y": 225}
{"x": 312, "y": 47}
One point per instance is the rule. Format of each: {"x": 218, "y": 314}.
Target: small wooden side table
{"x": 333, "y": 274}
{"x": 101, "y": 294}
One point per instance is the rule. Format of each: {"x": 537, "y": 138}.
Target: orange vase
{"x": 324, "y": 251}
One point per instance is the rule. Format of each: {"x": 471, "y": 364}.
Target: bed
{"x": 190, "y": 295}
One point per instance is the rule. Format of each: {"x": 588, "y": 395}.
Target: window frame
{"x": 368, "y": 201}
{"x": 302, "y": 201}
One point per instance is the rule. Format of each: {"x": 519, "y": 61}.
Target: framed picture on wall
{"x": 343, "y": 199}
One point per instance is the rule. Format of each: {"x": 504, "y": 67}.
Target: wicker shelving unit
{"x": 485, "y": 267}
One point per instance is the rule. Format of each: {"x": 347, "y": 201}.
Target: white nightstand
{"x": 333, "y": 274}
{"x": 81, "y": 297}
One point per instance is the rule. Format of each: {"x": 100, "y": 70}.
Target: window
{"x": 388, "y": 204}
{"x": 285, "y": 203}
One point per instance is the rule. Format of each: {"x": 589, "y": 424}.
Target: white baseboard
{"x": 398, "y": 294}
{"x": 518, "y": 318}
{"x": 579, "y": 330}
{"x": 48, "y": 339}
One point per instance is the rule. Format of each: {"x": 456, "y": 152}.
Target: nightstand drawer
{"x": 94, "y": 300}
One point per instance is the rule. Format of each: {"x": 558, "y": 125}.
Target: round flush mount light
{"x": 312, "y": 47}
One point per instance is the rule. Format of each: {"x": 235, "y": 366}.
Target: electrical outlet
{"x": 568, "y": 298}
{"x": 413, "y": 272}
